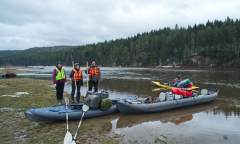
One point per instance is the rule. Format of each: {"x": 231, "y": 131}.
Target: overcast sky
{"x": 35, "y": 23}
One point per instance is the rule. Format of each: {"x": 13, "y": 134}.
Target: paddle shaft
{"x": 74, "y": 75}
{"x": 73, "y": 68}
{"x": 67, "y": 116}
{"x": 68, "y": 136}
{"x": 87, "y": 75}
{"x": 87, "y": 55}
{"x": 79, "y": 125}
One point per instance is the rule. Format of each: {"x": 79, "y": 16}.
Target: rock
{"x": 84, "y": 137}
{"x": 106, "y": 135}
{"x": 116, "y": 132}
{"x": 161, "y": 139}
{"x": 225, "y": 137}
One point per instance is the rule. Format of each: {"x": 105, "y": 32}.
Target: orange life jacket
{"x": 93, "y": 71}
{"x": 78, "y": 75}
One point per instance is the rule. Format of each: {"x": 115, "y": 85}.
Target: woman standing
{"x": 59, "y": 78}
{"x": 76, "y": 75}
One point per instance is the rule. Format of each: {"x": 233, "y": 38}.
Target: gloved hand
{"x": 65, "y": 83}
{"x": 54, "y": 85}
{"x": 72, "y": 74}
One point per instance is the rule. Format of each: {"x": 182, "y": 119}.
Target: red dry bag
{"x": 189, "y": 85}
{"x": 182, "y": 91}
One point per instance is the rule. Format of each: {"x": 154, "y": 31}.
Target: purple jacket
{"x": 59, "y": 81}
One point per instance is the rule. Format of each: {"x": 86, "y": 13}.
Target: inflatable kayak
{"x": 166, "y": 101}
{"x": 74, "y": 111}
{"x": 165, "y": 85}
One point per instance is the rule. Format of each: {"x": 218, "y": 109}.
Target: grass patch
{"x": 16, "y": 71}
{"x": 16, "y": 128}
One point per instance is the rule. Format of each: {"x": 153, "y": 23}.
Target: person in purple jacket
{"x": 59, "y": 78}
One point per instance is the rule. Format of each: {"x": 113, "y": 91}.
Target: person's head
{"x": 178, "y": 78}
{"x": 93, "y": 62}
{"x": 77, "y": 66}
{"x": 59, "y": 65}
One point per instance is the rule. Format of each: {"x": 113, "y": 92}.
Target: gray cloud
{"x": 26, "y": 23}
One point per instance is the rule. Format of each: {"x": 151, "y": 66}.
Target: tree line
{"x": 219, "y": 39}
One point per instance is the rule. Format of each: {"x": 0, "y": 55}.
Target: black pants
{"x": 91, "y": 84}
{"x": 78, "y": 90}
{"x": 59, "y": 90}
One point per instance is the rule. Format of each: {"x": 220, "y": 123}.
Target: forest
{"x": 219, "y": 40}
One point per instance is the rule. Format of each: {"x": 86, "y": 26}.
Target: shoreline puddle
{"x": 18, "y": 94}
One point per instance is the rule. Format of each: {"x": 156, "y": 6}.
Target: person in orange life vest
{"x": 76, "y": 73}
{"x": 94, "y": 76}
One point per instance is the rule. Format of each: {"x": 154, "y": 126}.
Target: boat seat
{"x": 54, "y": 109}
{"x": 75, "y": 106}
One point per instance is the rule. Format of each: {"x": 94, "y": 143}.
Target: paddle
{"x": 73, "y": 67}
{"x": 87, "y": 55}
{"x": 68, "y": 136}
{"x": 85, "y": 108}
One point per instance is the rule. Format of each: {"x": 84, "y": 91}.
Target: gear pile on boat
{"x": 176, "y": 98}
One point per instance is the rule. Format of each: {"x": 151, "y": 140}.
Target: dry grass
{"x": 9, "y": 69}
{"x": 16, "y": 128}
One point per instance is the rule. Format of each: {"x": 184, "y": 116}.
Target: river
{"x": 206, "y": 123}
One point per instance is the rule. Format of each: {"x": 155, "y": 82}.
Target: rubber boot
{"x": 72, "y": 97}
{"x": 78, "y": 98}
{"x": 59, "y": 102}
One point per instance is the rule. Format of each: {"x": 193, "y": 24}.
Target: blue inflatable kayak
{"x": 74, "y": 111}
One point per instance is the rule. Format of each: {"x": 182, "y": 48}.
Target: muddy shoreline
{"x": 16, "y": 128}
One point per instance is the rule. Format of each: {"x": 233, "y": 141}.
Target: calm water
{"x": 206, "y": 123}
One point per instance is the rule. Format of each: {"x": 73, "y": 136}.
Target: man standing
{"x": 59, "y": 78}
{"x": 76, "y": 74}
{"x": 94, "y": 76}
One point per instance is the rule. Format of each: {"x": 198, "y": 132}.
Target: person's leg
{"x": 58, "y": 92}
{"x": 95, "y": 86}
{"x": 78, "y": 91}
{"x": 73, "y": 91}
{"x": 90, "y": 84}
{"x": 61, "y": 92}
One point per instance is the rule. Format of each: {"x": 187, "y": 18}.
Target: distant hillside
{"x": 34, "y": 50}
{"x": 214, "y": 43}
{"x": 4, "y": 53}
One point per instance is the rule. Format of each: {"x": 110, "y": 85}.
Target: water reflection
{"x": 206, "y": 123}
{"x": 182, "y": 119}
{"x": 129, "y": 120}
